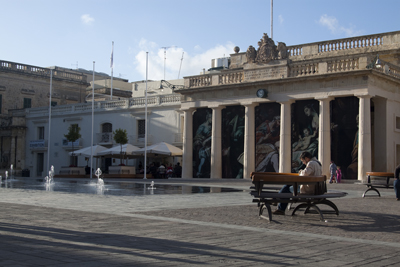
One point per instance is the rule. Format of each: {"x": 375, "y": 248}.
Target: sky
{"x": 180, "y": 37}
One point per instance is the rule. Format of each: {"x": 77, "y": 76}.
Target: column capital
{"x": 364, "y": 96}
{"x": 217, "y": 107}
{"x": 327, "y": 98}
{"x": 288, "y": 101}
{"x": 250, "y": 104}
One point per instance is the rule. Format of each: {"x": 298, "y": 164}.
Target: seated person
{"x": 313, "y": 168}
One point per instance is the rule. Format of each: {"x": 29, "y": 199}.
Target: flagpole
{"x": 145, "y": 122}
{"x": 91, "y": 143}
{"x": 112, "y": 68}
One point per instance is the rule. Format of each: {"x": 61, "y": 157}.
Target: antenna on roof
{"x": 76, "y": 65}
{"x": 179, "y": 73}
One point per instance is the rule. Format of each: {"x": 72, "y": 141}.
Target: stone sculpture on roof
{"x": 267, "y": 51}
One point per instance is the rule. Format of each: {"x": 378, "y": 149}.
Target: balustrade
{"x": 203, "y": 80}
{"x": 295, "y": 50}
{"x": 230, "y": 77}
{"x": 350, "y": 43}
{"x": 343, "y": 65}
{"x": 304, "y": 69}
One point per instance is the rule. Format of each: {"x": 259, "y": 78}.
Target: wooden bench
{"x": 372, "y": 185}
{"x": 267, "y": 196}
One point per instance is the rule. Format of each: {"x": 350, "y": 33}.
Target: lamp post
{"x": 49, "y": 138}
{"x": 91, "y": 143}
{"x": 145, "y": 123}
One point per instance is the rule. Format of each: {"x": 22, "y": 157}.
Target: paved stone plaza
{"x": 40, "y": 228}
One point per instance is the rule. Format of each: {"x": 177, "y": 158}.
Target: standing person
{"x": 396, "y": 183}
{"x": 161, "y": 171}
{"x": 332, "y": 169}
{"x": 178, "y": 170}
{"x": 313, "y": 168}
{"x": 338, "y": 174}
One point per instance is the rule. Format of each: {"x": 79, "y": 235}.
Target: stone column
{"x": 187, "y": 157}
{"x": 364, "y": 137}
{"x": 285, "y": 147}
{"x": 249, "y": 164}
{"x": 216, "y": 143}
{"x": 324, "y": 135}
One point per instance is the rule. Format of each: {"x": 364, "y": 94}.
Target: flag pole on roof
{"x": 112, "y": 68}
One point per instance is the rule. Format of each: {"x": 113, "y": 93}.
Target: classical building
{"x": 23, "y": 86}
{"x": 338, "y": 100}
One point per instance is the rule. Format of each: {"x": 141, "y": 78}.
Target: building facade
{"x": 165, "y": 124}
{"x": 338, "y": 100}
{"x": 24, "y": 86}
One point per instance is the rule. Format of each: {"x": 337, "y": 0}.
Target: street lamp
{"x": 49, "y": 139}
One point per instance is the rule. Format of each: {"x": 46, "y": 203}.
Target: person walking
{"x": 332, "y": 169}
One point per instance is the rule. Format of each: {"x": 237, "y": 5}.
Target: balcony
{"x": 138, "y": 140}
{"x": 38, "y": 145}
{"x": 105, "y": 138}
{"x": 71, "y": 145}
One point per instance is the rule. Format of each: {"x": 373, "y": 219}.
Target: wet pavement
{"x": 52, "y": 228}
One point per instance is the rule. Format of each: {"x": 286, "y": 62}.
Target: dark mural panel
{"x": 202, "y": 126}
{"x": 305, "y": 124}
{"x": 344, "y": 135}
{"x": 267, "y": 123}
{"x": 232, "y": 134}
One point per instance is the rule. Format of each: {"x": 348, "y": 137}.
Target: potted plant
{"x": 73, "y": 135}
{"x": 120, "y": 137}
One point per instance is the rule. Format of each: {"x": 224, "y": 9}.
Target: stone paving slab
{"x": 40, "y": 228}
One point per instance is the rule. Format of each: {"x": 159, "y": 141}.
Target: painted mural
{"x": 305, "y": 124}
{"x": 344, "y": 135}
{"x": 232, "y": 133}
{"x": 202, "y": 129}
{"x": 267, "y": 127}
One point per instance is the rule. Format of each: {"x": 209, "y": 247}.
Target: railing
{"x": 200, "y": 81}
{"x": 67, "y": 144}
{"x": 350, "y": 43}
{"x": 23, "y": 68}
{"x": 295, "y": 50}
{"x": 303, "y": 69}
{"x": 389, "y": 69}
{"x": 230, "y": 77}
{"x": 139, "y": 140}
{"x": 343, "y": 65}
{"x": 104, "y": 138}
{"x": 85, "y": 107}
{"x": 178, "y": 137}
{"x": 38, "y": 144}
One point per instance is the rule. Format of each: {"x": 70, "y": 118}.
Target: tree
{"x": 120, "y": 137}
{"x": 73, "y": 134}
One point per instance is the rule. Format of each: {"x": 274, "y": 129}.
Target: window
{"x": 398, "y": 123}
{"x": 27, "y": 103}
{"x": 41, "y": 133}
{"x": 141, "y": 128}
{"x": 106, "y": 128}
{"x": 1, "y": 102}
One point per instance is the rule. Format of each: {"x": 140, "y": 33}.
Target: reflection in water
{"x": 108, "y": 188}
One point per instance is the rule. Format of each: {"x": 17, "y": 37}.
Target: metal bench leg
{"x": 261, "y": 210}
{"x": 330, "y": 204}
{"x": 308, "y": 206}
{"x": 371, "y": 188}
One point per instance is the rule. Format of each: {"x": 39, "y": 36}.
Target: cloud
{"x": 87, "y": 19}
{"x": 280, "y": 18}
{"x": 191, "y": 64}
{"x": 333, "y": 25}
